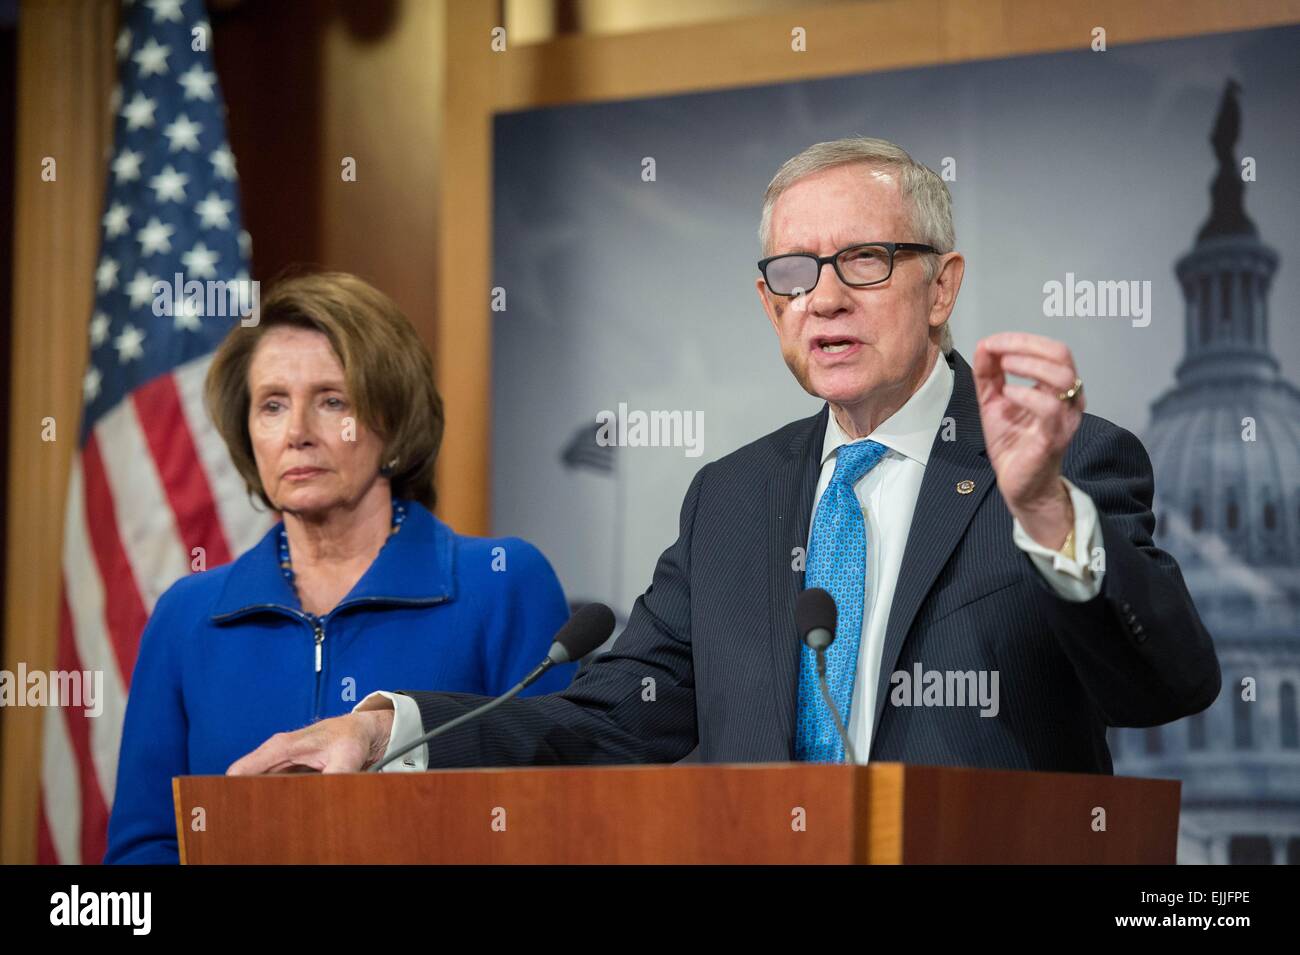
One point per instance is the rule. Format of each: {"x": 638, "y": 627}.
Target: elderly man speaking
{"x": 963, "y": 524}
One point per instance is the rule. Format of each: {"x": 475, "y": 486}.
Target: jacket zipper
{"x": 318, "y": 632}
{"x": 318, "y": 629}
{"x": 318, "y": 624}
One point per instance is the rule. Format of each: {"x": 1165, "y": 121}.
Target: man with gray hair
{"x": 1048, "y": 592}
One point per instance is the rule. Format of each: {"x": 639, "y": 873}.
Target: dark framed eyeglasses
{"x": 867, "y": 263}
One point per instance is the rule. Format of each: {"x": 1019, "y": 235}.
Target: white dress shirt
{"x": 888, "y": 495}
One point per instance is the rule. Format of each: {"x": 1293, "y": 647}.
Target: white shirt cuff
{"x": 1072, "y": 578}
{"x": 407, "y": 728}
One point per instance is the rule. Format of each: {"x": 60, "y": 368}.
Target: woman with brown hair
{"x": 328, "y": 407}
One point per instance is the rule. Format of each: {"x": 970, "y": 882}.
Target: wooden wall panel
{"x": 848, "y": 38}
{"x": 65, "y": 75}
{"x": 463, "y": 352}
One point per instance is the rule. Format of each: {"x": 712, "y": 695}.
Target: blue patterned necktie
{"x": 837, "y": 562}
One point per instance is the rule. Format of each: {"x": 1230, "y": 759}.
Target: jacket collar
{"x": 415, "y": 566}
{"x": 956, "y": 480}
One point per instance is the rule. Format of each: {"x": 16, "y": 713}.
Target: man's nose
{"x": 829, "y": 296}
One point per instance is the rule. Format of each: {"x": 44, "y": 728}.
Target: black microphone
{"x": 815, "y": 615}
{"x": 586, "y": 630}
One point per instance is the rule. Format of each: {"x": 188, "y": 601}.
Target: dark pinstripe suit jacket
{"x": 710, "y": 653}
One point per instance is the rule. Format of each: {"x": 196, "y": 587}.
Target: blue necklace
{"x": 286, "y": 563}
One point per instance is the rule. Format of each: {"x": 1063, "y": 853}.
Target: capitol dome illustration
{"x": 1224, "y": 442}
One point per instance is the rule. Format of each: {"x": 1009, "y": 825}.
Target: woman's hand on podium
{"x": 344, "y": 744}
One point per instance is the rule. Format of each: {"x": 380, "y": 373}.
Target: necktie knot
{"x": 854, "y": 460}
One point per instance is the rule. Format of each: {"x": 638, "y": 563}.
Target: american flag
{"x": 151, "y": 480}
{"x": 585, "y": 451}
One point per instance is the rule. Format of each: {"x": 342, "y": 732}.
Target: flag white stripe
{"x": 61, "y": 789}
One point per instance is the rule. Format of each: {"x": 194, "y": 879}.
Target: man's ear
{"x": 945, "y": 286}
{"x": 773, "y": 306}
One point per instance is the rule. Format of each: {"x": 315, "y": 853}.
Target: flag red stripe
{"x": 124, "y": 613}
{"x": 162, "y": 419}
{"x": 94, "y": 811}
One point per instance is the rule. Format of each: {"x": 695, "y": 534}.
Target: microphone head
{"x": 588, "y": 628}
{"x": 815, "y": 616}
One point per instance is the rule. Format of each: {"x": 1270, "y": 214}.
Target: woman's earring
{"x": 387, "y": 469}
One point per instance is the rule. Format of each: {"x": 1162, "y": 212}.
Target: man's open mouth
{"x": 833, "y": 346}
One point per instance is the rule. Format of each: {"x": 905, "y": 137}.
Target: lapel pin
{"x": 965, "y": 487}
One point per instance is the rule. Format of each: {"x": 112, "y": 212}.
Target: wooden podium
{"x": 690, "y": 813}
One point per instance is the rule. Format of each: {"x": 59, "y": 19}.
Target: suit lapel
{"x": 790, "y": 492}
{"x": 941, "y": 516}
